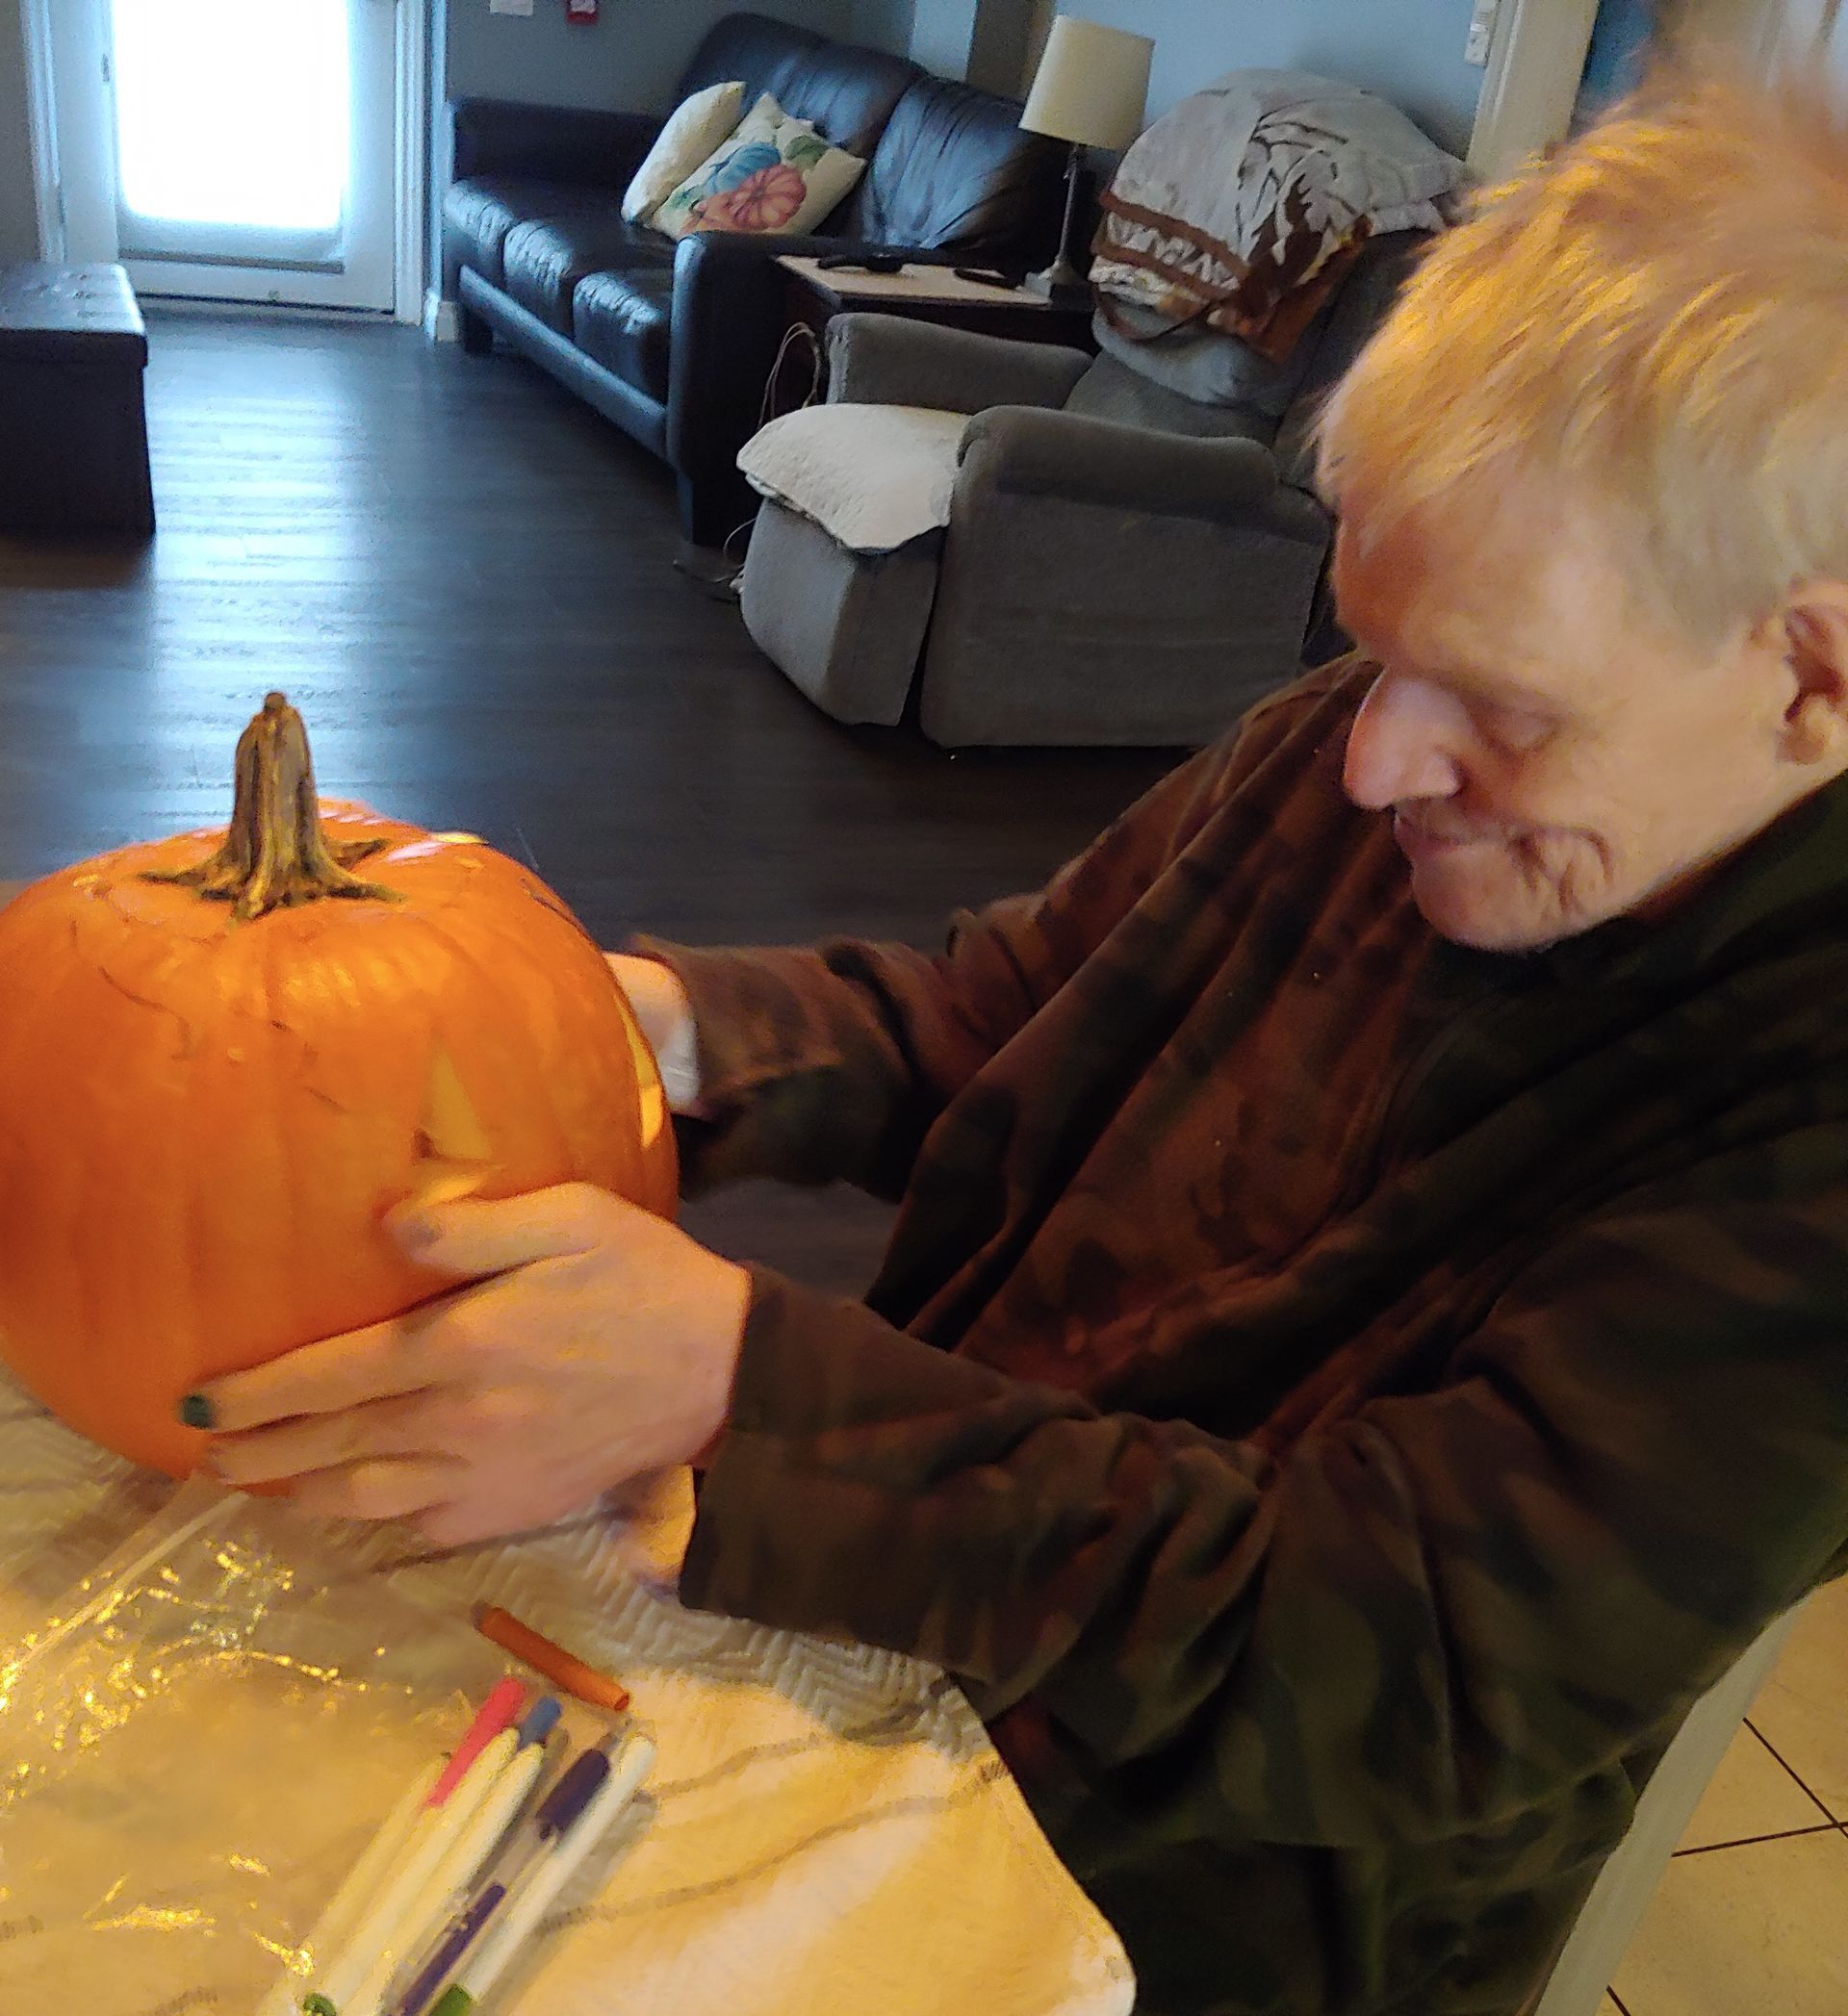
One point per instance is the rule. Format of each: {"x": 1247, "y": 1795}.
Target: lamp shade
{"x": 1092, "y": 87}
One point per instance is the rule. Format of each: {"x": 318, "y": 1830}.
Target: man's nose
{"x": 1402, "y": 744}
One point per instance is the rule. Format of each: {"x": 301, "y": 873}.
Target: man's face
{"x": 1551, "y": 756}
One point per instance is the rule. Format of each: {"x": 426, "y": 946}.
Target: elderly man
{"x": 1364, "y": 1341}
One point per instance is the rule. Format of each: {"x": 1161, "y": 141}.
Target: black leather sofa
{"x": 675, "y": 342}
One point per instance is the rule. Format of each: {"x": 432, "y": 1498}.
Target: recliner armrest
{"x": 890, "y": 360}
{"x": 1227, "y": 480}
{"x": 556, "y": 143}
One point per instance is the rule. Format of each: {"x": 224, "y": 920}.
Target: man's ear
{"x": 1814, "y": 647}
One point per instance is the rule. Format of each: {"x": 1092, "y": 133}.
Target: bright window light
{"x": 233, "y": 111}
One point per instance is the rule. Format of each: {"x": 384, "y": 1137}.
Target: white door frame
{"x": 1536, "y": 64}
{"x": 411, "y": 228}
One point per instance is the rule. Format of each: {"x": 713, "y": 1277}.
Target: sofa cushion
{"x": 694, "y": 128}
{"x": 872, "y": 478}
{"x": 623, "y": 321}
{"x": 546, "y": 257}
{"x": 848, "y": 95}
{"x": 953, "y": 168}
{"x": 481, "y": 210}
{"x": 847, "y": 92}
{"x": 774, "y": 176}
{"x": 763, "y": 54}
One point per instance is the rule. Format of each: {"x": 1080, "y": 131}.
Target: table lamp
{"x": 1090, "y": 89}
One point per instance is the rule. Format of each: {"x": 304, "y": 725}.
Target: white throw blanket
{"x": 1240, "y": 208}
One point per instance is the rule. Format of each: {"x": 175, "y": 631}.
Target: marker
{"x": 500, "y": 1710}
{"x": 435, "y": 1829}
{"x": 548, "y": 1878}
{"x": 572, "y": 1676}
{"x": 374, "y": 1860}
{"x": 462, "y": 1862}
{"x": 562, "y": 1806}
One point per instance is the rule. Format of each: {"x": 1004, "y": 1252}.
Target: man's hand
{"x": 597, "y": 1342}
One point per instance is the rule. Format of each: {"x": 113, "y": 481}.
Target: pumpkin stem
{"x": 275, "y": 853}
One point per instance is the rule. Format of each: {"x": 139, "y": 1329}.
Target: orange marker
{"x": 571, "y": 1675}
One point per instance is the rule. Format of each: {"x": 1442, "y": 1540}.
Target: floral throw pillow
{"x": 775, "y": 175}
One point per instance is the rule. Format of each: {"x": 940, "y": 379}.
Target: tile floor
{"x": 1752, "y": 1918}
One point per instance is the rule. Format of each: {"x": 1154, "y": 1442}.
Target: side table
{"x": 930, "y": 294}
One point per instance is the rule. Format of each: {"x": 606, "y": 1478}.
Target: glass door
{"x": 243, "y": 149}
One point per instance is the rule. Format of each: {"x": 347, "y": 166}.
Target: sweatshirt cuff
{"x": 834, "y": 1502}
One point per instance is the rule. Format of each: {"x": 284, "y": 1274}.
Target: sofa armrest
{"x": 556, "y": 143}
{"x": 1229, "y": 480}
{"x": 890, "y": 360}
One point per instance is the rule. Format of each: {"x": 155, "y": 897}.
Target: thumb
{"x": 473, "y": 1238}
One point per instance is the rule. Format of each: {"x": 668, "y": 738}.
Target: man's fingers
{"x": 473, "y": 1239}
{"x": 386, "y": 1488}
{"x": 403, "y": 1424}
{"x": 344, "y": 1371}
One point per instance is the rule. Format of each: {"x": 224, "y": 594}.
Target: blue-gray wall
{"x": 886, "y": 24}
{"x": 629, "y": 60}
{"x": 1620, "y": 44}
{"x": 18, "y": 208}
{"x": 1410, "y": 51}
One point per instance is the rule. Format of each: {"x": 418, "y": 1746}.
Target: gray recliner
{"x": 1122, "y": 564}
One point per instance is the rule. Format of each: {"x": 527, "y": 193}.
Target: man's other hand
{"x": 591, "y": 1342}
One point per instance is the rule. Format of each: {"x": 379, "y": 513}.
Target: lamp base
{"x": 1060, "y": 282}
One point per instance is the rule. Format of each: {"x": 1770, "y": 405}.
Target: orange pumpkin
{"x": 225, "y": 1057}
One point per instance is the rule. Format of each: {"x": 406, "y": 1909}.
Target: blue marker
{"x": 580, "y": 1783}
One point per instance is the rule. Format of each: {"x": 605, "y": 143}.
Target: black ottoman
{"x": 74, "y": 430}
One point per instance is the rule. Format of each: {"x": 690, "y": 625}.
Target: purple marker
{"x": 581, "y": 1782}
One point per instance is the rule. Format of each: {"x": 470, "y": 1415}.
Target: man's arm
{"x": 1419, "y": 1621}
{"x": 831, "y": 1064}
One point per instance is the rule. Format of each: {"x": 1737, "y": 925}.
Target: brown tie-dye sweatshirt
{"x": 1332, "y": 1398}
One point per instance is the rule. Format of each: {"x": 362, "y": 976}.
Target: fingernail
{"x": 196, "y": 1411}
{"x": 415, "y": 1233}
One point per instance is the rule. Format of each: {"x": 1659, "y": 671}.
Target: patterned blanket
{"x": 1242, "y": 208}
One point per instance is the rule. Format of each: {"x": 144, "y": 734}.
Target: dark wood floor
{"x": 462, "y": 577}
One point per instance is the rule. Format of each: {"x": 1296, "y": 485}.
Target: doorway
{"x": 237, "y": 150}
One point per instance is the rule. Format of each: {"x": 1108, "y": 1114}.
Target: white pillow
{"x": 775, "y": 175}
{"x": 873, "y": 477}
{"x": 689, "y": 136}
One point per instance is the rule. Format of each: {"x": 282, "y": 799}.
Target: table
{"x": 826, "y": 1826}
{"x": 73, "y": 426}
{"x": 929, "y": 293}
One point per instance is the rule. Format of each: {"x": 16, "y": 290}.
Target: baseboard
{"x": 442, "y": 320}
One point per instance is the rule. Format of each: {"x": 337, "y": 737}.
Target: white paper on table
{"x": 828, "y": 1830}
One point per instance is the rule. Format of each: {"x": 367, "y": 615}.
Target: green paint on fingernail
{"x": 317, "y": 2005}
{"x": 196, "y": 1411}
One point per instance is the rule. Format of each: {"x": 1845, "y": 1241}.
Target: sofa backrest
{"x": 763, "y": 54}
{"x": 954, "y": 169}
{"x": 847, "y": 92}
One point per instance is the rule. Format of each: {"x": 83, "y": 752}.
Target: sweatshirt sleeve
{"x": 830, "y": 1064}
{"x": 1418, "y": 1621}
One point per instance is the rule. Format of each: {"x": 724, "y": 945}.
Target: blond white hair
{"x": 1656, "y": 320}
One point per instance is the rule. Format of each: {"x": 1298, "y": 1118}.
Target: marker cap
{"x": 455, "y": 2001}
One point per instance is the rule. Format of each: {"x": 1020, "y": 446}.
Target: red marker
{"x": 502, "y": 1709}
